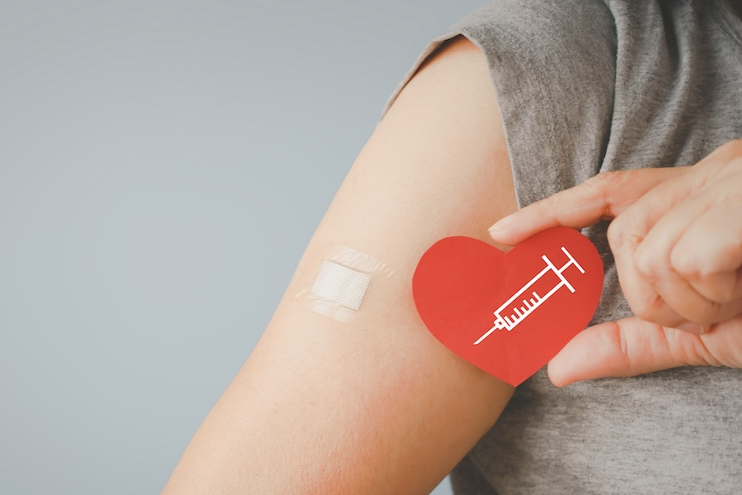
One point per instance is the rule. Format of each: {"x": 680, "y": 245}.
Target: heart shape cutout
{"x": 509, "y": 313}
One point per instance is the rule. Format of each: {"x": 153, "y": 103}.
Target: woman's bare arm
{"x": 376, "y": 405}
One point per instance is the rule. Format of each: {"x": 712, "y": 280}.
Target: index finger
{"x": 601, "y": 197}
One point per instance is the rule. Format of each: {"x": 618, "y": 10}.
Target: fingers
{"x": 676, "y": 235}
{"x": 641, "y": 240}
{"x": 626, "y": 235}
{"x": 626, "y": 347}
{"x": 678, "y": 252}
{"x": 631, "y": 347}
{"x": 709, "y": 254}
{"x": 601, "y": 197}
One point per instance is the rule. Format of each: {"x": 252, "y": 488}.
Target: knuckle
{"x": 706, "y": 313}
{"x": 647, "y": 309}
{"x": 616, "y": 233}
{"x": 621, "y": 342}
{"x": 645, "y": 263}
{"x": 599, "y": 181}
{"x": 555, "y": 202}
{"x": 690, "y": 349}
{"x": 619, "y": 180}
{"x": 601, "y": 188}
{"x": 702, "y": 313}
{"x": 643, "y": 311}
{"x": 685, "y": 264}
{"x": 655, "y": 310}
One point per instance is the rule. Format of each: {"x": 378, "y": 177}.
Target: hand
{"x": 676, "y": 236}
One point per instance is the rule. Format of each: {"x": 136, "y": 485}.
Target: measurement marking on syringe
{"x": 516, "y": 315}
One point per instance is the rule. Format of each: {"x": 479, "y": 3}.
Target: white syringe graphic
{"x": 517, "y": 312}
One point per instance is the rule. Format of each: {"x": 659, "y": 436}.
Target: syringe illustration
{"x": 515, "y": 312}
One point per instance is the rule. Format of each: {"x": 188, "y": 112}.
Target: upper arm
{"x": 376, "y": 405}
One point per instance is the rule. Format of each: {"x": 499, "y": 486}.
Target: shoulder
{"x": 553, "y": 65}
{"x": 547, "y": 26}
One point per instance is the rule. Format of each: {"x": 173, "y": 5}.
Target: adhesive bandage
{"x": 342, "y": 282}
{"x": 341, "y": 285}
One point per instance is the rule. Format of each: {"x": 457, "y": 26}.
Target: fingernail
{"x": 690, "y": 327}
{"x": 500, "y": 226}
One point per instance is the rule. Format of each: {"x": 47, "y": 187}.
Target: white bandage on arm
{"x": 342, "y": 282}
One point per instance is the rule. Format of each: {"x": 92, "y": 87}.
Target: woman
{"x": 518, "y": 102}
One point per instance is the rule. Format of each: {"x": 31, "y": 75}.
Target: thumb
{"x": 601, "y": 197}
{"x": 628, "y": 347}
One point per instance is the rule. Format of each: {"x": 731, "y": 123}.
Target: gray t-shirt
{"x": 586, "y": 87}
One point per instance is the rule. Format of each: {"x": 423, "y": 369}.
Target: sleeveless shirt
{"x": 587, "y": 86}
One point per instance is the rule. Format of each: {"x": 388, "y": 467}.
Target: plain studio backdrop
{"x": 162, "y": 166}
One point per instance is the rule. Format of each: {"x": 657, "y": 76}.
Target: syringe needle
{"x": 485, "y": 335}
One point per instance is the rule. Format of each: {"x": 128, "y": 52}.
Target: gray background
{"x": 162, "y": 166}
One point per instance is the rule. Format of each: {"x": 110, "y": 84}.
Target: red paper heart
{"x": 521, "y": 302}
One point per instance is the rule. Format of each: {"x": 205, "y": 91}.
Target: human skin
{"x": 676, "y": 236}
{"x": 377, "y": 405}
